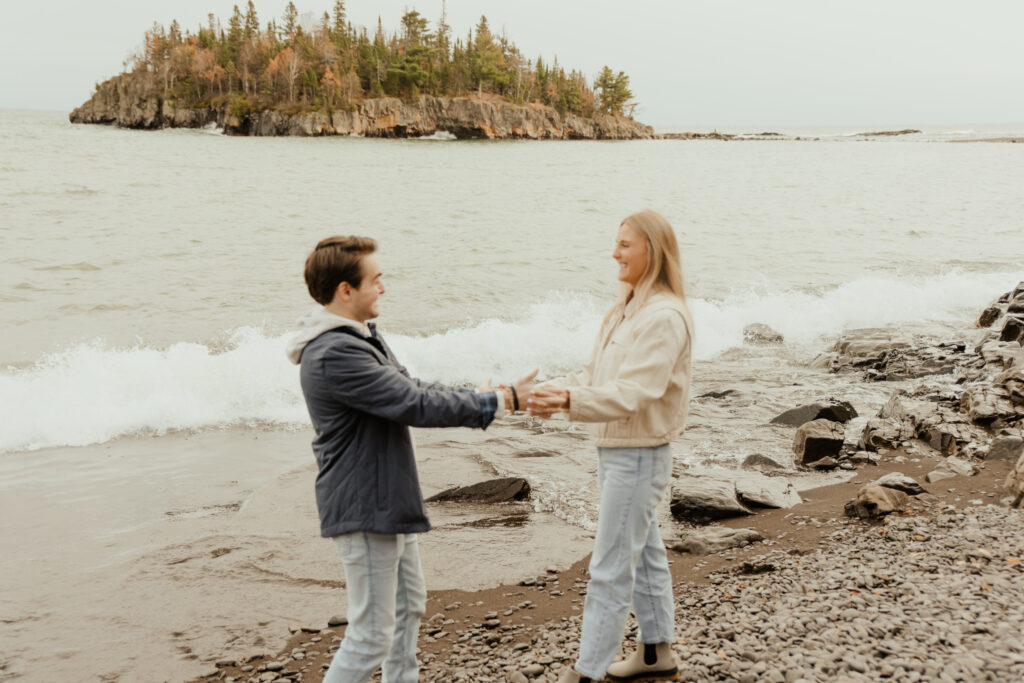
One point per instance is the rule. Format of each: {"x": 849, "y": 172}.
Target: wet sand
{"x": 146, "y": 559}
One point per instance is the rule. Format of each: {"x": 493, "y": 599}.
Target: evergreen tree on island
{"x": 295, "y": 66}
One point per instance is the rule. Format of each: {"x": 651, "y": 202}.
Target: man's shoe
{"x": 650, "y": 662}
{"x": 570, "y": 676}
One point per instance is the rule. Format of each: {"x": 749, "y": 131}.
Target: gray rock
{"x": 1012, "y": 382}
{"x": 986, "y": 404}
{"x": 532, "y": 671}
{"x": 701, "y": 499}
{"x": 865, "y": 457}
{"x": 714, "y": 539}
{"x": 760, "y": 462}
{"x": 1005, "y": 448}
{"x": 989, "y": 316}
{"x": 880, "y": 432}
{"x": 949, "y": 468}
{"x": 818, "y": 439}
{"x": 761, "y": 334}
{"x": 837, "y": 411}
{"x": 875, "y": 501}
{"x": 1002, "y": 353}
{"x": 337, "y": 620}
{"x": 493, "y": 491}
{"x": 826, "y": 463}
{"x": 1013, "y": 329}
{"x": 900, "y": 482}
{"x": 768, "y": 492}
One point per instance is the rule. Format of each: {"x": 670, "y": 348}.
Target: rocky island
{"x": 311, "y": 77}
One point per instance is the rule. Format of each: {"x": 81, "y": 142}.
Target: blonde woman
{"x": 635, "y": 389}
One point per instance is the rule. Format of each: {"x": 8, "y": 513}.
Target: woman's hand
{"x": 547, "y": 400}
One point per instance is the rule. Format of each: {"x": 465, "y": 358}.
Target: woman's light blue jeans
{"x": 629, "y": 565}
{"x": 386, "y": 599}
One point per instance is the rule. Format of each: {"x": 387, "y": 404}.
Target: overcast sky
{"x": 691, "y": 62}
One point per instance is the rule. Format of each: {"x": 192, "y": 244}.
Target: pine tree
{"x": 252, "y": 22}
{"x": 291, "y": 16}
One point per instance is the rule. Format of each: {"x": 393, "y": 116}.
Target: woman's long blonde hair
{"x": 664, "y": 272}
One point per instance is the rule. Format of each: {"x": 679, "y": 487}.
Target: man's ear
{"x": 344, "y": 291}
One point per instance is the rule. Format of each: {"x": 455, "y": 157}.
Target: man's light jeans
{"x": 629, "y": 565}
{"x": 386, "y": 599}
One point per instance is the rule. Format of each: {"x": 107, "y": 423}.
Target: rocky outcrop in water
{"x": 129, "y": 102}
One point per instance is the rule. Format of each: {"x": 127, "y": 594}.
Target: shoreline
{"x": 459, "y": 636}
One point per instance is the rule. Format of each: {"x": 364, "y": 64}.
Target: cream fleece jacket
{"x": 636, "y": 386}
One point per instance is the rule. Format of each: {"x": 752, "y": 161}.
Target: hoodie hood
{"x": 313, "y": 325}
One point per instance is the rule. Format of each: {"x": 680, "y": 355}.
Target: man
{"x": 362, "y": 403}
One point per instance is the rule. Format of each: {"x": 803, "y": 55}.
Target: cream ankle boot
{"x": 650, "y": 662}
{"x": 570, "y": 676}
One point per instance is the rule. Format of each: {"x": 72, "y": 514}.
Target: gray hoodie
{"x": 362, "y": 402}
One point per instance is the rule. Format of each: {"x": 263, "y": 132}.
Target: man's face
{"x": 364, "y": 298}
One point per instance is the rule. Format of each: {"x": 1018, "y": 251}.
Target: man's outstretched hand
{"x": 524, "y": 389}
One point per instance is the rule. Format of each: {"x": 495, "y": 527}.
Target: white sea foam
{"x": 439, "y": 135}
{"x": 92, "y": 393}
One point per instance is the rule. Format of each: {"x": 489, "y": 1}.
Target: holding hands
{"x": 547, "y": 400}
{"x": 516, "y": 395}
{"x": 543, "y": 400}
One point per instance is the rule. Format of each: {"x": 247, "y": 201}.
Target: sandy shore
{"x": 537, "y": 617}
{"x": 165, "y": 554}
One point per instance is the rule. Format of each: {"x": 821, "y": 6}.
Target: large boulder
{"x": 703, "y": 499}
{"x": 714, "y": 539}
{"x": 949, "y": 468}
{"x": 887, "y": 433}
{"x": 1009, "y": 448}
{"x": 766, "y": 492}
{"x": 762, "y": 335}
{"x": 1012, "y": 381}
{"x": 837, "y": 411}
{"x": 1013, "y": 329}
{"x": 1006, "y": 354}
{"x": 860, "y": 347}
{"x": 875, "y": 501}
{"x": 986, "y": 404}
{"x": 760, "y": 462}
{"x": 818, "y": 439}
{"x": 494, "y": 491}
{"x": 989, "y": 316}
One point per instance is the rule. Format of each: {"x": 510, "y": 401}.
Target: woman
{"x": 636, "y": 389}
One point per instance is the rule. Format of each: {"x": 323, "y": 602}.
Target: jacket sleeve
{"x": 359, "y": 381}
{"x": 643, "y": 376}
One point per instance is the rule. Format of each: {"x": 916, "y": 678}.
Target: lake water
{"x": 148, "y": 278}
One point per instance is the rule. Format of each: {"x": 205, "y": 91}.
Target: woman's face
{"x": 631, "y": 254}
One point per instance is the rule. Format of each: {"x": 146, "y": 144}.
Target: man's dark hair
{"x": 336, "y": 260}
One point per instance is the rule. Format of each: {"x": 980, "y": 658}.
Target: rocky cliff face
{"x": 128, "y": 102}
